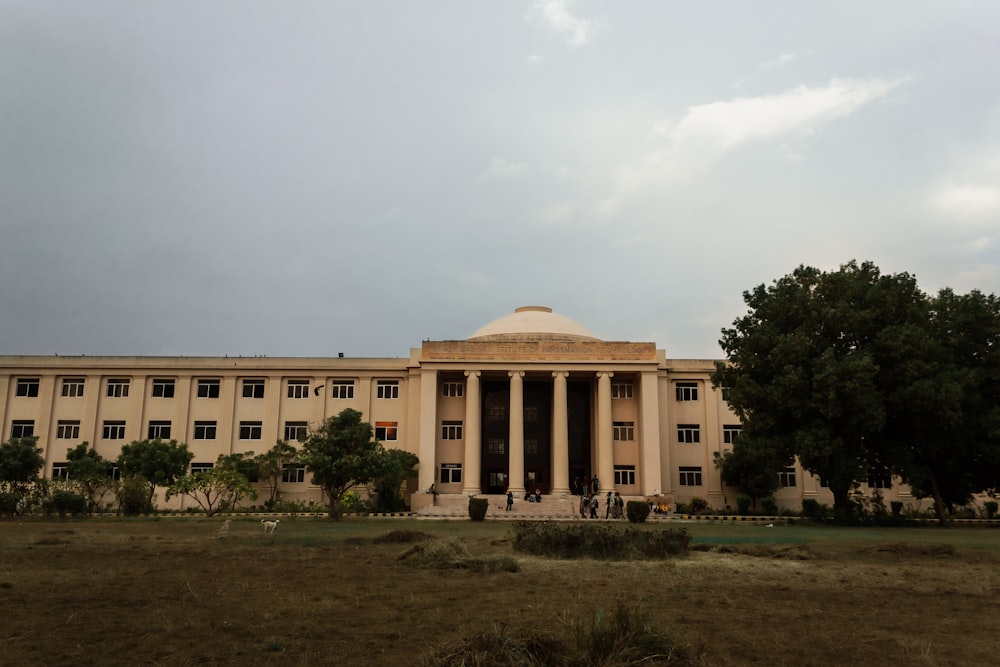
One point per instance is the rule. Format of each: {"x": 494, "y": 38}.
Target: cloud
{"x": 780, "y": 61}
{"x": 967, "y": 202}
{"x": 500, "y": 167}
{"x": 707, "y": 132}
{"x": 535, "y": 59}
{"x": 556, "y": 14}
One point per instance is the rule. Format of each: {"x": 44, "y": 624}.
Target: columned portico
{"x": 560, "y": 434}
{"x": 473, "y": 434}
{"x": 516, "y": 471}
{"x": 428, "y": 429}
{"x": 605, "y": 456}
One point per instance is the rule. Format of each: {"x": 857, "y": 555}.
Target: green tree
{"x": 90, "y": 472}
{"x": 21, "y": 460}
{"x": 272, "y": 462}
{"x": 395, "y": 466}
{"x": 342, "y": 454}
{"x": 160, "y": 463}
{"x": 812, "y": 362}
{"x": 214, "y": 490}
{"x": 751, "y": 469}
{"x": 244, "y": 463}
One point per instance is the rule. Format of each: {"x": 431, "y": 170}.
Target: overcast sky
{"x": 308, "y": 178}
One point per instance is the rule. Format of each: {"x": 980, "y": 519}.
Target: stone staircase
{"x": 552, "y": 508}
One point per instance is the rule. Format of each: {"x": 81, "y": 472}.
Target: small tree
{"x": 342, "y": 454}
{"x": 90, "y": 473}
{"x": 272, "y": 462}
{"x": 159, "y": 463}
{"x": 214, "y": 490}
{"x": 21, "y": 460}
{"x": 133, "y": 495}
{"x": 395, "y": 467}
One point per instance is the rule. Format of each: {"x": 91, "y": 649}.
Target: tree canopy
{"x": 853, "y": 371}
{"x": 215, "y": 490}
{"x": 157, "y": 461}
{"x": 21, "y": 460}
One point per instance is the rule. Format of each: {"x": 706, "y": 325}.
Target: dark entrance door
{"x": 578, "y": 408}
{"x": 538, "y": 436}
{"x": 496, "y": 427}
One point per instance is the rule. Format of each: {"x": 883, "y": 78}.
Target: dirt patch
{"x": 902, "y": 550}
{"x": 786, "y": 552}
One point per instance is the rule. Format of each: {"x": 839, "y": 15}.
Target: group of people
{"x": 614, "y": 506}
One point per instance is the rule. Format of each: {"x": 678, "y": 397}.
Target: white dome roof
{"x": 533, "y": 323}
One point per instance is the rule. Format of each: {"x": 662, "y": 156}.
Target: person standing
{"x": 607, "y": 505}
{"x": 510, "y": 500}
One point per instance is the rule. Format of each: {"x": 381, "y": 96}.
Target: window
{"x": 114, "y": 430}
{"x": 208, "y": 388}
{"x": 72, "y": 387}
{"x": 22, "y": 428}
{"x": 387, "y": 389}
{"x": 201, "y": 467}
{"x": 27, "y": 387}
{"x": 294, "y": 474}
{"x": 688, "y": 433}
{"x": 621, "y": 390}
{"x": 342, "y": 389}
{"x": 296, "y": 430}
{"x": 452, "y": 390}
{"x": 67, "y": 429}
{"x": 298, "y": 389}
{"x": 496, "y": 412}
{"x": 204, "y": 430}
{"x": 725, "y": 393}
{"x": 451, "y": 473}
{"x": 530, "y": 446}
{"x": 623, "y": 430}
{"x": 690, "y": 476}
{"x": 530, "y": 413}
{"x": 496, "y": 446}
{"x": 624, "y": 475}
{"x": 253, "y": 389}
{"x": 118, "y": 388}
{"x": 60, "y": 470}
{"x": 163, "y": 388}
{"x": 250, "y": 430}
{"x": 879, "y": 479}
{"x": 385, "y": 431}
{"x": 730, "y": 433}
{"x": 114, "y": 472}
{"x": 451, "y": 430}
{"x": 786, "y": 477}
{"x": 159, "y": 430}
{"x": 686, "y": 391}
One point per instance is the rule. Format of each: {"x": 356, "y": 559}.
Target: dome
{"x": 533, "y": 323}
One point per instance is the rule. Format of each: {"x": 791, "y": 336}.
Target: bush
{"x": 991, "y": 508}
{"x": 813, "y": 509}
{"x": 133, "y": 496}
{"x": 897, "y": 508}
{"x": 697, "y": 505}
{"x": 636, "y": 510}
{"x": 8, "y": 503}
{"x": 67, "y": 502}
{"x": 600, "y": 541}
{"x": 744, "y": 503}
{"x": 769, "y": 505}
{"x": 477, "y": 508}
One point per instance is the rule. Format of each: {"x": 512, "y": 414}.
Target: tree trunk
{"x": 942, "y": 516}
{"x": 841, "y": 503}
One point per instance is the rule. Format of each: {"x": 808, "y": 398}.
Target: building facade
{"x": 530, "y": 401}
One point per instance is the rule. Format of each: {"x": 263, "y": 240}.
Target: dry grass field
{"x": 174, "y": 591}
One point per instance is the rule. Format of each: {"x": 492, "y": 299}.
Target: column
{"x": 515, "y": 481}
{"x": 472, "y": 473}
{"x": 560, "y": 435}
{"x": 649, "y": 472}
{"x": 605, "y": 457}
{"x": 428, "y": 429}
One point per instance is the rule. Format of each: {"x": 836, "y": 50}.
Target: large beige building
{"x": 532, "y": 399}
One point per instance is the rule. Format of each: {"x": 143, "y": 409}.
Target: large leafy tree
{"x": 90, "y": 472}
{"x": 810, "y": 364}
{"x": 158, "y": 462}
{"x": 21, "y": 460}
{"x": 342, "y": 454}
{"x": 395, "y": 466}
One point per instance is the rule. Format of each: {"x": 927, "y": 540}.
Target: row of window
{"x": 67, "y": 429}
{"x": 210, "y": 388}
{"x": 291, "y": 473}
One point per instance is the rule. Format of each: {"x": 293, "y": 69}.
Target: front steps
{"x": 552, "y": 508}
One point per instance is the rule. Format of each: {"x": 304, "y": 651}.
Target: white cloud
{"x": 968, "y": 202}
{"x": 500, "y": 167}
{"x": 708, "y": 131}
{"x": 780, "y": 61}
{"x": 556, "y": 14}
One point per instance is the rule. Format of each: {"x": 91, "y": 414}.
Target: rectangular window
{"x": 451, "y": 430}
{"x": 27, "y": 387}
{"x": 623, "y": 430}
{"x": 387, "y": 389}
{"x": 879, "y": 479}
{"x": 530, "y": 446}
{"x": 496, "y": 412}
{"x": 250, "y": 430}
{"x": 118, "y": 387}
{"x": 451, "y": 473}
{"x": 624, "y": 475}
{"x": 293, "y": 474}
{"x": 690, "y": 476}
{"x": 296, "y": 431}
{"x": 621, "y": 390}
{"x": 786, "y": 477}
{"x": 68, "y": 429}
{"x": 204, "y": 430}
{"x": 342, "y": 389}
{"x": 496, "y": 446}
{"x": 201, "y": 467}
{"x": 253, "y": 389}
{"x": 730, "y": 433}
{"x": 159, "y": 430}
{"x": 72, "y": 387}
{"x": 452, "y": 389}
{"x": 163, "y": 388}
{"x": 60, "y": 470}
{"x": 208, "y": 388}
{"x": 530, "y": 414}
{"x": 114, "y": 430}
{"x": 385, "y": 431}
{"x": 298, "y": 389}
{"x": 114, "y": 472}
{"x": 690, "y": 433}
{"x": 686, "y": 391}
{"x": 22, "y": 428}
